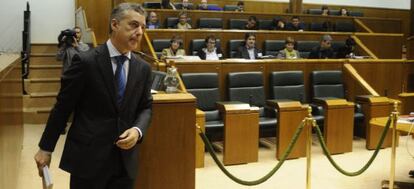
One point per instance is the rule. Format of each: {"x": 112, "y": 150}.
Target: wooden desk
{"x": 241, "y": 132}
{"x": 167, "y": 153}
{"x": 381, "y": 121}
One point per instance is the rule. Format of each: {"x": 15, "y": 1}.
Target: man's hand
{"x": 128, "y": 139}
{"x": 75, "y": 42}
{"x": 42, "y": 159}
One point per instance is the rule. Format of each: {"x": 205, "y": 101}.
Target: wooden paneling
{"x": 385, "y": 46}
{"x": 11, "y": 120}
{"x": 97, "y": 15}
{"x": 167, "y": 154}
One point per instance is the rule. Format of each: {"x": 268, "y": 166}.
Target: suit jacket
{"x": 88, "y": 89}
{"x": 202, "y": 54}
{"x": 318, "y": 53}
{"x": 282, "y": 54}
{"x": 243, "y": 53}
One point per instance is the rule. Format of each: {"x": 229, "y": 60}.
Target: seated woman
{"x": 182, "y": 21}
{"x": 248, "y": 50}
{"x": 325, "y": 10}
{"x": 240, "y": 6}
{"x": 174, "y": 49}
{"x": 210, "y": 51}
{"x": 278, "y": 24}
{"x": 343, "y": 12}
{"x": 152, "y": 22}
{"x": 289, "y": 52}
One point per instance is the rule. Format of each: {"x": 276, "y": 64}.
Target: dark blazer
{"x": 242, "y": 52}
{"x": 318, "y": 53}
{"x": 202, "y": 54}
{"x": 88, "y": 89}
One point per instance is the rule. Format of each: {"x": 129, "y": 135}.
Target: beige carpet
{"x": 291, "y": 175}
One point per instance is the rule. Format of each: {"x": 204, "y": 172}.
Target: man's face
{"x": 325, "y": 44}
{"x": 251, "y": 41}
{"x": 295, "y": 22}
{"x": 251, "y": 23}
{"x": 153, "y": 17}
{"x": 211, "y": 44}
{"x": 128, "y": 31}
{"x": 78, "y": 34}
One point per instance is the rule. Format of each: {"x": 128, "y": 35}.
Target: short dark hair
{"x": 210, "y": 37}
{"x": 118, "y": 12}
{"x": 252, "y": 18}
{"x": 295, "y": 17}
{"x": 240, "y": 3}
{"x": 182, "y": 13}
{"x": 247, "y": 35}
{"x": 176, "y": 38}
{"x": 290, "y": 40}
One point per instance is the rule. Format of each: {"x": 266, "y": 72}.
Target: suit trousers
{"x": 112, "y": 176}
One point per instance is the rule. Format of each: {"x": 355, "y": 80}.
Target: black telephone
{"x": 158, "y": 80}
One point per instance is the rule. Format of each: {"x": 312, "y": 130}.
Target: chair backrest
{"x": 204, "y": 86}
{"x": 315, "y": 11}
{"x": 317, "y": 26}
{"x": 216, "y": 23}
{"x": 327, "y": 84}
{"x": 158, "y": 80}
{"x": 305, "y": 47}
{"x": 197, "y": 44}
{"x": 246, "y": 87}
{"x": 264, "y": 24}
{"x": 271, "y": 47}
{"x": 287, "y": 85}
{"x": 336, "y": 45}
{"x": 159, "y": 45}
{"x": 342, "y": 26}
{"x": 171, "y": 22}
{"x": 180, "y": 5}
{"x": 233, "y": 45}
{"x": 237, "y": 23}
{"x": 334, "y": 12}
{"x": 152, "y": 5}
{"x": 356, "y": 13}
{"x": 230, "y": 7}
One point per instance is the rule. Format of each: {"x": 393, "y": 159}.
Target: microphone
{"x": 155, "y": 61}
{"x": 250, "y": 100}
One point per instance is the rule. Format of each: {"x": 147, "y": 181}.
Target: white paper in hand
{"x": 47, "y": 178}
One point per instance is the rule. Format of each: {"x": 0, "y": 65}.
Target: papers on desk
{"x": 47, "y": 178}
{"x": 183, "y": 57}
{"x": 406, "y": 120}
{"x": 153, "y": 91}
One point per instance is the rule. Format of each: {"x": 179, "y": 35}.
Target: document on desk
{"x": 47, "y": 178}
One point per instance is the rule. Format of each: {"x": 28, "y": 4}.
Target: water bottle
{"x": 171, "y": 80}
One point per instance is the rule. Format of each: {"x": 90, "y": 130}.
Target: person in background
{"x": 175, "y": 48}
{"x": 278, "y": 24}
{"x": 165, "y": 4}
{"x": 343, "y": 12}
{"x": 182, "y": 21}
{"x": 240, "y": 6}
{"x": 251, "y": 23}
{"x": 289, "y": 52}
{"x": 295, "y": 24}
{"x": 186, "y": 5}
{"x": 210, "y": 51}
{"x": 348, "y": 50}
{"x": 203, "y": 5}
{"x": 325, "y": 10}
{"x": 248, "y": 50}
{"x": 324, "y": 50}
{"x": 152, "y": 21}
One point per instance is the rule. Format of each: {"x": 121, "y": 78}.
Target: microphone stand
{"x": 149, "y": 57}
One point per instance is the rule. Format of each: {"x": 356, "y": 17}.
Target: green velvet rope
{"x": 366, "y": 166}
{"x": 268, "y": 175}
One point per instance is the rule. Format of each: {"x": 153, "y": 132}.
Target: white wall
{"x": 392, "y": 4}
{"x": 49, "y": 17}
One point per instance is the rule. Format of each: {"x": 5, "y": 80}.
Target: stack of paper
{"x": 47, "y": 178}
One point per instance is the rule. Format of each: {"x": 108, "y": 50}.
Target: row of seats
{"x": 248, "y": 87}
{"x": 217, "y": 23}
{"x": 270, "y": 47}
{"x": 157, "y": 5}
{"x": 333, "y": 12}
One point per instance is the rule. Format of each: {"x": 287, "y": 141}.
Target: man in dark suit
{"x": 108, "y": 89}
{"x": 248, "y": 50}
{"x": 324, "y": 50}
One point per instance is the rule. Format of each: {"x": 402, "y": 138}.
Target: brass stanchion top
{"x": 395, "y": 106}
{"x": 309, "y": 112}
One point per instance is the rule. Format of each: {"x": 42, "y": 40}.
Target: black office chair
{"x": 305, "y": 47}
{"x": 334, "y": 12}
{"x": 248, "y": 87}
{"x": 342, "y": 26}
{"x": 230, "y": 7}
{"x": 289, "y": 85}
{"x": 239, "y": 24}
{"x": 317, "y": 26}
{"x": 197, "y": 44}
{"x": 272, "y": 47}
{"x": 233, "y": 45}
{"x": 328, "y": 84}
{"x": 180, "y": 5}
{"x": 204, "y": 86}
{"x": 336, "y": 46}
{"x": 159, "y": 45}
{"x": 210, "y": 23}
{"x": 264, "y": 24}
{"x": 356, "y": 13}
{"x": 152, "y": 5}
{"x": 315, "y": 11}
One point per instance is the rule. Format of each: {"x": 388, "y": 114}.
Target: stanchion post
{"x": 394, "y": 119}
{"x": 308, "y": 126}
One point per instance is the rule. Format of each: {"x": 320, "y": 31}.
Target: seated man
{"x": 289, "y": 52}
{"x": 182, "y": 21}
{"x": 152, "y": 22}
{"x": 295, "y": 24}
{"x": 210, "y": 52}
{"x": 174, "y": 49}
{"x": 251, "y": 23}
{"x": 240, "y": 6}
{"x": 324, "y": 50}
{"x": 278, "y": 24}
{"x": 248, "y": 50}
